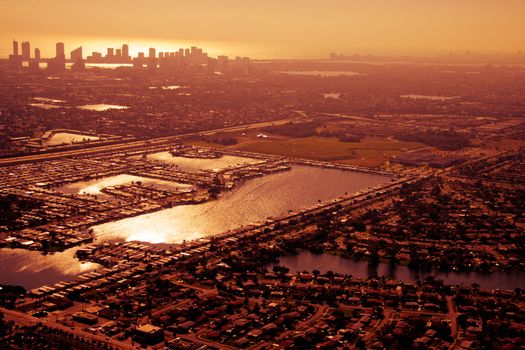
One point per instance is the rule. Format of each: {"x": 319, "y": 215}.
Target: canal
{"x": 308, "y": 261}
{"x": 32, "y": 269}
{"x": 253, "y": 200}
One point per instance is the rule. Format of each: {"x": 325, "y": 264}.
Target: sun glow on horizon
{"x": 293, "y": 29}
{"x": 136, "y": 45}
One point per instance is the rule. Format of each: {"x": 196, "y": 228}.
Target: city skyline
{"x": 47, "y": 45}
{"x": 23, "y": 49}
{"x": 21, "y": 58}
{"x": 301, "y": 30}
{"x": 337, "y": 175}
{"x": 115, "y": 48}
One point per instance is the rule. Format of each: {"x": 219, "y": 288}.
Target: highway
{"x": 353, "y": 201}
{"x": 133, "y": 144}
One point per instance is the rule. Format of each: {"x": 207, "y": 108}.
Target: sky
{"x": 271, "y": 28}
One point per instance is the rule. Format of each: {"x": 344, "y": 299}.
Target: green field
{"x": 369, "y": 152}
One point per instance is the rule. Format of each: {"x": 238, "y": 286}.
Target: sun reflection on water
{"x": 94, "y": 187}
{"x": 252, "y": 201}
{"x": 31, "y": 269}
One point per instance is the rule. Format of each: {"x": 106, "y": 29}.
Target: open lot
{"x": 371, "y": 151}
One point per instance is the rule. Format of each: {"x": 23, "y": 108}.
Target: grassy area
{"x": 311, "y": 147}
{"x": 369, "y": 152}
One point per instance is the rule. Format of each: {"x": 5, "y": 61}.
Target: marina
{"x": 254, "y": 200}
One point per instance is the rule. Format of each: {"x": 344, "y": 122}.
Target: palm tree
{"x": 475, "y": 286}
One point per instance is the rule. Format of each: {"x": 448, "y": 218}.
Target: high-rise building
{"x": 58, "y": 64}
{"x": 60, "y": 52}
{"x": 212, "y": 65}
{"x": 118, "y": 53}
{"x": 222, "y": 63}
{"x": 110, "y": 52}
{"x": 26, "y": 51}
{"x": 125, "y": 51}
{"x": 34, "y": 64}
{"x": 95, "y": 57}
{"x": 78, "y": 60}
{"x": 152, "y": 59}
{"x": 15, "y": 60}
{"x": 138, "y": 62}
{"x": 76, "y": 54}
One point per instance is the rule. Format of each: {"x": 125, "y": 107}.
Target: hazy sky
{"x": 301, "y": 28}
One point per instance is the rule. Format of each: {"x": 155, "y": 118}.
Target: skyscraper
{"x": 76, "y": 54}
{"x": 152, "y": 60}
{"x": 125, "y": 51}
{"x": 34, "y": 64}
{"x": 78, "y": 61}
{"x": 58, "y": 64}
{"x": 60, "y": 52}
{"x": 222, "y": 63}
{"x": 212, "y": 65}
{"x": 138, "y": 61}
{"x": 15, "y": 61}
{"x": 26, "y": 51}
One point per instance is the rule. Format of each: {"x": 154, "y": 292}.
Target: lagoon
{"x": 429, "y": 97}
{"x": 320, "y": 73}
{"x": 32, "y": 269}
{"x": 252, "y": 201}
{"x": 94, "y": 187}
{"x": 101, "y": 107}
{"x": 61, "y": 138}
{"x": 195, "y": 164}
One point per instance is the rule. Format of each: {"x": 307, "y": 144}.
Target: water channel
{"x": 254, "y": 200}
{"x": 308, "y": 261}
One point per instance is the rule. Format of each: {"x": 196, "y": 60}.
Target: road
{"x": 452, "y": 316}
{"x": 352, "y": 201}
{"x": 132, "y": 144}
{"x": 26, "y": 320}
